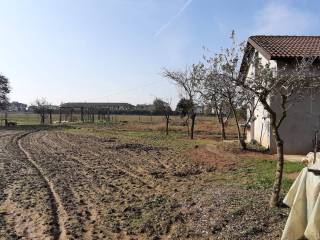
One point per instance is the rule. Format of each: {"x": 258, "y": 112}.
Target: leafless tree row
{"x": 213, "y": 81}
{"x": 218, "y": 80}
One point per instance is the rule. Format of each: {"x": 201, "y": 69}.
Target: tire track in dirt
{"x": 25, "y": 207}
{"x": 59, "y": 213}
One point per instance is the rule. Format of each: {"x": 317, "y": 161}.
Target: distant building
{"x": 99, "y": 106}
{"x": 145, "y": 107}
{"x": 200, "y": 109}
{"x": 34, "y": 108}
{"x": 53, "y": 107}
{"x": 209, "y": 109}
{"x": 17, "y": 107}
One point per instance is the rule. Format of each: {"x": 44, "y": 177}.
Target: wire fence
{"x": 26, "y": 118}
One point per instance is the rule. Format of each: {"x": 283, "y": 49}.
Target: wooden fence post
{"x": 50, "y": 117}
{"x": 6, "y": 118}
{"x": 60, "y": 115}
{"x": 82, "y": 119}
{"x": 71, "y": 115}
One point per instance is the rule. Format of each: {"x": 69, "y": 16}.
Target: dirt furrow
{"x": 25, "y": 206}
{"x": 59, "y": 213}
{"x": 117, "y": 165}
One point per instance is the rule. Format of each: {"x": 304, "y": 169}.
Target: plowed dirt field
{"x": 55, "y": 184}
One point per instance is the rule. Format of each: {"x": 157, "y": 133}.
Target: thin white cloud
{"x": 181, "y": 10}
{"x": 282, "y": 19}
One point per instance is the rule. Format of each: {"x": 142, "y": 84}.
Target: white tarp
{"x": 304, "y": 200}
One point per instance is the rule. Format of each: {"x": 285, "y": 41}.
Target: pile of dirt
{"x": 137, "y": 147}
{"x": 214, "y": 156}
{"x": 223, "y": 156}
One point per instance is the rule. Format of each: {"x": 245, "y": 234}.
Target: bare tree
{"x": 4, "y": 91}
{"x": 164, "y": 108}
{"x": 223, "y": 113}
{"x": 221, "y": 85}
{"x": 42, "y": 107}
{"x": 288, "y": 84}
{"x": 211, "y": 95}
{"x": 189, "y": 82}
{"x": 184, "y": 108}
{"x": 248, "y": 105}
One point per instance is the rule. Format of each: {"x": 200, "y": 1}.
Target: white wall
{"x": 260, "y": 128}
{"x": 261, "y": 131}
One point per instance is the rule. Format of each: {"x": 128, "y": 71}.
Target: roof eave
{"x": 260, "y": 49}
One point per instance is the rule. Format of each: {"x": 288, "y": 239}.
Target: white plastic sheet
{"x": 304, "y": 200}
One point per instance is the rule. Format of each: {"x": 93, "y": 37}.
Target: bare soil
{"x": 59, "y": 185}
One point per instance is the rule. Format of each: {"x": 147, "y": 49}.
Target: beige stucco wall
{"x": 297, "y": 130}
{"x": 303, "y": 119}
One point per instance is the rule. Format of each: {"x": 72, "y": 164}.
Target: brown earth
{"x": 222, "y": 157}
{"x": 59, "y": 185}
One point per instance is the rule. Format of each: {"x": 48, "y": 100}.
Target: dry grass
{"x": 205, "y": 125}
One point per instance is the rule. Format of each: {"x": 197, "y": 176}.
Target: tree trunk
{"x": 187, "y": 124}
{"x": 60, "y": 115}
{"x": 242, "y": 142}
{"x": 82, "y": 119}
{"x": 42, "y": 118}
{"x": 193, "y": 119}
{"x": 50, "y": 115}
{"x": 222, "y": 124}
{"x": 6, "y": 119}
{"x": 275, "y": 196}
{"x": 71, "y": 115}
{"x": 274, "y": 201}
{"x": 167, "y": 125}
{"x": 223, "y": 131}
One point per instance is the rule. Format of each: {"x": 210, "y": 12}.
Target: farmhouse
{"x": 17, "y": 107}
{"x": 303, "y": 119}
{"x": 98, "y": 106}
{"x": 145, "y": 107}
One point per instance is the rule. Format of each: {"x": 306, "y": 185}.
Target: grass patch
{"x": 175, "y": 140}
{"x": 260, "y": 173}
{"x": 253, "y": 173}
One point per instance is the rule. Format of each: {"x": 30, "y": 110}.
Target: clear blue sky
{"x": 113, "y": 50}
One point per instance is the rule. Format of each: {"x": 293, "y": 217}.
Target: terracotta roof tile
{"x": 286, "y": 46}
